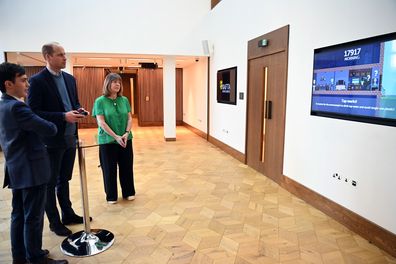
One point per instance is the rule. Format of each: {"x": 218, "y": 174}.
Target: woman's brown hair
{"x": 107, "y": 84}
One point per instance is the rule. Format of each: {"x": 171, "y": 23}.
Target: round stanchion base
{"x": 83, "y": 244}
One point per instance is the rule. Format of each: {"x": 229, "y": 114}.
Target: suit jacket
{"x": 44, "y": 99}
{"x": 26, "y": 158}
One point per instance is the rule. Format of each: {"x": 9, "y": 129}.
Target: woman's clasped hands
{"x": 122, "y": 140}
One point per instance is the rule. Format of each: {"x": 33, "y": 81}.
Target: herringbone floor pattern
{"x": 196, "y": 204}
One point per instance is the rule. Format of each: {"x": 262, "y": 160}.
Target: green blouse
{"x": 115, "y": 112}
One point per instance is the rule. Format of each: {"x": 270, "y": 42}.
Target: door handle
{"x": 268, "y": 109}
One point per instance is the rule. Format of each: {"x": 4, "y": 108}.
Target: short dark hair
{"x": 8, "y": 72}
{"x": 48, "y": 48}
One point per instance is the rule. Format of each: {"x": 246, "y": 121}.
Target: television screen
{"x": 356, "y": 81}
{"x": 227, "y": 85}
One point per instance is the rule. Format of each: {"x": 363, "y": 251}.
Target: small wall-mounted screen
{"x": 227, "y": 86}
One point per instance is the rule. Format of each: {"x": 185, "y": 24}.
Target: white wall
{"x": 315, "y": 147}
{"x": 119, "y": 26}
{"x": 195, "y": 83}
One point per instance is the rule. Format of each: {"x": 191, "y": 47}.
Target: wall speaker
{"x": 205, "y": 46}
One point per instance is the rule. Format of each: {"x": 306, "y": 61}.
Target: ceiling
{"x": 99, "y": 60}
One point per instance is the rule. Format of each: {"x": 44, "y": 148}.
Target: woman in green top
{"x": 113, "y": 115}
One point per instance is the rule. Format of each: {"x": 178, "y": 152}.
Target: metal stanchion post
{"x": 89, "y": 241}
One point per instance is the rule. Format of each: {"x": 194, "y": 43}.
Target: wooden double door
{"x": 267, "y": 78}
{"x": 150, "y": 97}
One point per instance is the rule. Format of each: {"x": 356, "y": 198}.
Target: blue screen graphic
{"x": 350, "y": 56}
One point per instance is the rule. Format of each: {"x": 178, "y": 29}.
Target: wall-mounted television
{"x": 356, "y": 80}
{"x": 227, "y": 86}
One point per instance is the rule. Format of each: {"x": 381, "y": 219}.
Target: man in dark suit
{"x": 53, "y": 96}
{"x": 26, "y": 166}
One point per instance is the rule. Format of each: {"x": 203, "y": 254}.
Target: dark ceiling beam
{"x": 214, "y": 3}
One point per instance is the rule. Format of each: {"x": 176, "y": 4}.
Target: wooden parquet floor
{"x": 197, "y": 204}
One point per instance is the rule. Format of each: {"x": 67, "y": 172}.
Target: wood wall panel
{"x": 150, "y": 97}
{"x": 157, "y": 95}
{"x": 277, "y": 42}
{"x": 126, "y": 83}
{"x": 150, "y": 84}
{"x": 32, "y": 70}
{"x": 179, "y": 96}
{"x": 89, "y": 87}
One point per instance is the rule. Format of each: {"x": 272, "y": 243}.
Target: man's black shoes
{"x": 60, "y": 229}
{"x": 20, "y": 261}
{"x": 74, "y": 220}
{"x": 47, "y": 260}
{"x": 45, "y": 253}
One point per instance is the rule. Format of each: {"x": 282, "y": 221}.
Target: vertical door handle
{"x": 268, "y": 109}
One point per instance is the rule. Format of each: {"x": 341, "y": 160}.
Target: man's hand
{"x": 82, "y": 111}
{"x": 73, "y": 116}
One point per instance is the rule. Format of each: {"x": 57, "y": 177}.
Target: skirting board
{"x": 233, "y": 152}
{"x": 195, "y": 130}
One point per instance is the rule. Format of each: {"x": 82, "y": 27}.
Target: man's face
{"x": 19, "y": 87}
{"x": 57, "y": 60}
